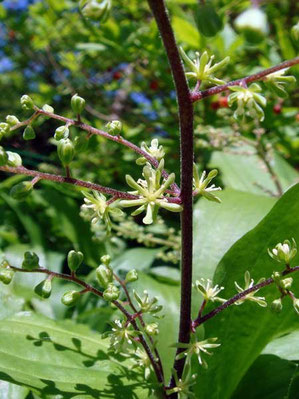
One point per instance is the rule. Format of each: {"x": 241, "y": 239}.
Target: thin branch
{"x": 202, "y": 319}
{"x": 186, "y": 161}
{"x": 195, "y": 96}
{"x": 89, "y": 288}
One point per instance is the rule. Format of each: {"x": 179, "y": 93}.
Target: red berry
{"x": 223, "y": 102}
{"x": 277, "y": 109}
{"x": 154, "y": 85}
{"x": 117, "y": 75}
{"x": 215, "y": 105}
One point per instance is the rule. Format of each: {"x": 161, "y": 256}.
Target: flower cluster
{"x": 202, "y": 69}
{"x": 247, "y": 98}
{"x": 151, "y": 192}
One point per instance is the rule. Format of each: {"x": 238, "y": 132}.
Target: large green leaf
{"x": 286, "y": 347}
{"x": 185, "y": 31}
{"x": 63, "y": 359}
{"x": 218, "y": 227}
{"x": 136, "y": 258}
{"x": 268, "y": 378}
{"x": 245, "y": 330}
{"x": 248, "y": 173}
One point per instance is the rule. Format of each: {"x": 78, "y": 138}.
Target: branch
{"x": 202, "y": 319}
{"x": 89, "y": 288}
{"x": 195, "y": 96}
{"x": 186, "y": 161}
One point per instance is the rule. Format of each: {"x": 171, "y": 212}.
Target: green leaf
{"x": 248, "y": 173}
{"x": 218, "y": 227}
{"x": 12, "y": 391}
{"x": 245, "y": 330}
{"x": 136, "y": 258}
{"x": 268, "y": 378}
{"x": 286, "y": 346}
{"x": 166, "y": 274}
{"x": 64, "y": 359}
{"x": 186, "y": 32}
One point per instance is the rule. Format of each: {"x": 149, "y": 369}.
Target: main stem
{"x": 186, "y": 162}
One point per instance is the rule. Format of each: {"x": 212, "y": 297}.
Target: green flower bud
{"x": 78, "y": 104}
{"x": 44, "y": 288}
{"x": 74, "y": 260}
{"x": 31, "y": 261}
{"x": 27, "y": 103}
{"x": 104, "y": 275}
{"x": 152, "y": 329}
{"x": 3, "y": 157}
{"x": 81, "y": 143}
{"x": 21, "y": 190}
{"x": 62, "y": 132}
{"x": 276, "y": 305}
{"x": 296, "y": 305}
{"x": 106, "y": 259}
{"x": 66, "y": 151}
{"x": 48, "y": 108}
{"x": 4, "y": 129}
{"x": 12, "y": 120}
{"x": 96, "y": 9}
{"x": 131, "y": 276}
{"x": 295, "y": 31}
{"x": 29, "y": 133}
{"x": 287, "y": 283}
{"x": 114, "y": 127}
{"x": 70, "y": 298}
{"x": 253, "y": 24}
{"x": 6, "y": 275}
{"x": 14, "y": 159}
{"x": 284, "y": 252}
{"x": 111, "y": 293}
{"x": 208, "y": 21}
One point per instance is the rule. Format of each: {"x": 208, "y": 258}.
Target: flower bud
{"x": 27, "y": 103}
{"x": 31, "y": 261}
{"x": 276, "y": 305}
{"x": 253, "y": 24}
{"x": 74, "y": 260}
{"x": 104, "y": 275}
{"x": 21, "y": 190}
{"x": 66, "y": 151}
{"x": 6, "y": 273}
{"x": 286, "y": 283}
{"x": 296, "y": 305}
{"x": 78, "y": 104}
{"x": 208, "y": 21}
{"x": 14, "y": 159}
{"x": 96, "y": 9}
{"x": 44, "y": 288}
{"x": 3, "y": 157}
{"x": 70, "y": 298}
{"x": 284, "y": 252}
{"x": 81, "y": 143}
{"x": 131, "y": 276}
{"x": 48, "y": 108}
{"x": 114, "y": 127}
{"x": 12, "y": 120}
{"x": 106, "y": 259}
{"x": 29, "y": 133}
{"x": 62, "y": 132}
{"x": 4, "y": 129}
{"x": 152, "y": 329}
{"x": 295, "y": 31}
{"x": 111, "y": 293}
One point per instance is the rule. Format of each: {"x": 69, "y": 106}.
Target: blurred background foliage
{"x": 49, "y": 51}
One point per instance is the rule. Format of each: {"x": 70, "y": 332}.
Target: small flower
{"x": 276, "y": 305}
{"x": 114, "y": 127}
{"x": 151, "y": 193}
{"x": 154, "y": 150}
{"x": 143, "y": 361}
{"x": 277, "y": 81}
{"x": 122, "y": 336}
{"x": 260, "y": 300}
{"x": 284, "y": 252}
{"x": 200, "y": 185}
{"x": 182, "y": 385}
{"x": 195, "y": 348}
{"x": 247, "y": 98}
{"x": 96, "y": 208}
{"x": 205, "y": 287}
{"x": 296, "y": 305}
{"x": 202, "y": 69}
{"x": 146, "y": 304}
{"x": 152, "y": 329}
